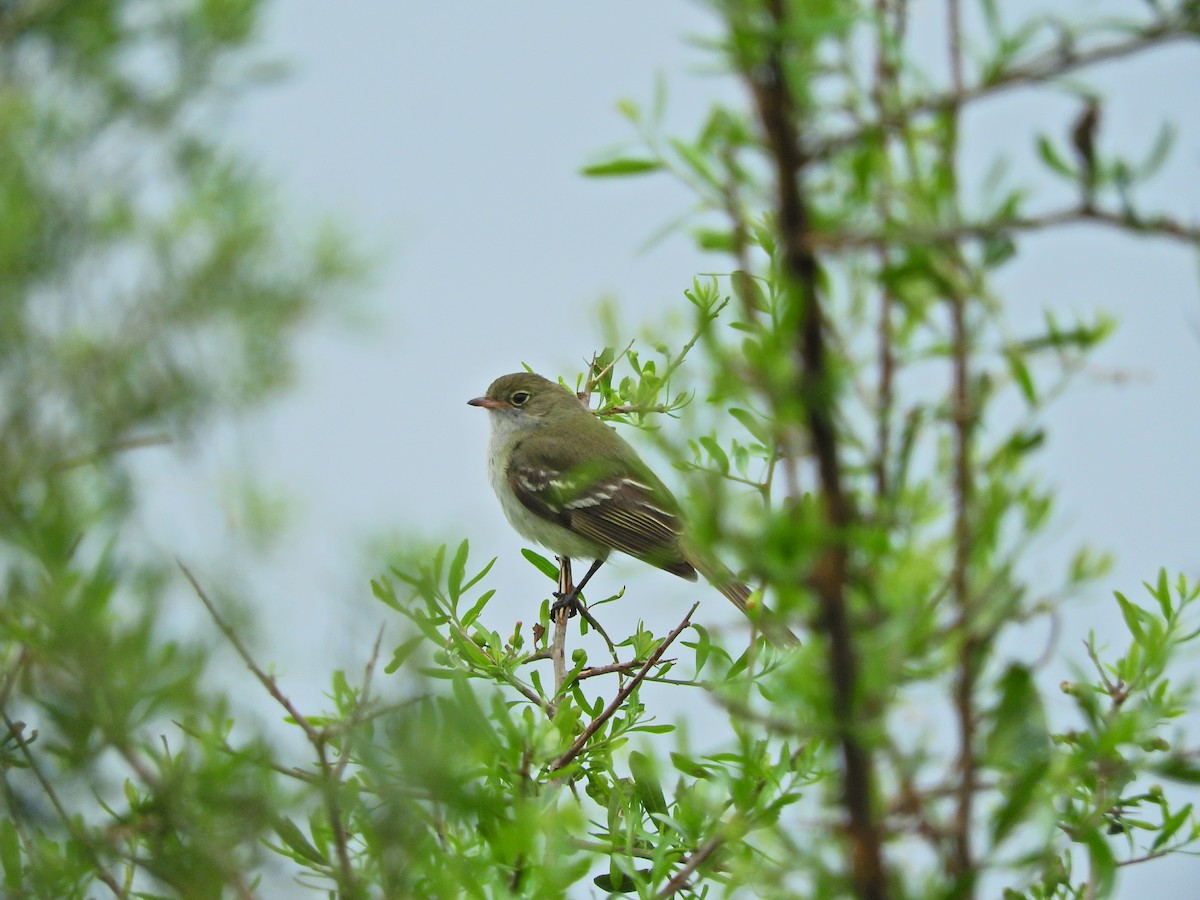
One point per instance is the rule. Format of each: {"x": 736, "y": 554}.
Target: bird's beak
{"x": 488, "y": 403}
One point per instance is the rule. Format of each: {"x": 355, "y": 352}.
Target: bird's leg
{"x": 565, "y": 589}
{"x": 567, "y": 597}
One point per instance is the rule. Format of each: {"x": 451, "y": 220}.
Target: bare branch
{"x": 310, "y": 731}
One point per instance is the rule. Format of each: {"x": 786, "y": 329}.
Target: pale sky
{"x": 448, "y": 137}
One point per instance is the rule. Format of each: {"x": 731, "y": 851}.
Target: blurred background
{"x": 448, "y": 139}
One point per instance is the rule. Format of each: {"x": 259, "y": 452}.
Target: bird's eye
{"x": 520, "y": 398}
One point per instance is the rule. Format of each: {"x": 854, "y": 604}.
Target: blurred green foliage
{"x": 146, "y": 287}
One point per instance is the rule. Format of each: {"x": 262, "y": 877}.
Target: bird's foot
{"x": 570, "y": 602}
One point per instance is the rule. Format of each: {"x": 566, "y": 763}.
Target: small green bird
{"x": 569, "y": 482}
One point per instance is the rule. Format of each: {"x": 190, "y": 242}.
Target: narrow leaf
{"x": 473, "y": 613}
{"x": 458, "y": 568}
{"x": 403, "y": 652}
{"x": 294, "y": 838}
{"x": 621, "y": 167}
{"x": 543, "y": 565}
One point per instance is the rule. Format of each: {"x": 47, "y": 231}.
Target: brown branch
{"x": 558, "y": 646}
{"x": 962, "y": 857}
{"x": 599, "y": 629}
{"x": 1062, "y": 60}
{"x": 594, "y": 725}
{"x": 882, "y": 87}
{"x": 679, "y": 881}
{"x": 310, "y": 731}
{"x": 1165, "y": 851}
{"x": 623, "y": 667}
{"x": 594, "y": 377}
{"x": 318, "y": 738}
{"x": 1157, "y": 226}
{"x": 119, "y": 446}
{"x": 779, "y": 115}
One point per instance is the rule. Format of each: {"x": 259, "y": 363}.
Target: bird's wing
{"x": 612, "y": 501}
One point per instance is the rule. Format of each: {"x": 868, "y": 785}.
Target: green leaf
{"x": 1158, "y": 152}
{"x": 1104, "y": 865}
{"x": 1179, "y": 768}
{"x": 382, "y": 589}
{"x": 1020, "y": 374}
{"x": 703, "y": 646}
{"x": 1132, "y": 615}
{"x": 439, "y": 560}
{"x": 717, "y": 453}
{"x": 294, "y": 838}
{"x": 645, "y": 779}
{"x": 473, "y": 613}
{"x": 1051, "y": 158}
{"x": 469, "y": 649}
{"x": 10, "y": 856}
{"x": 458, "y": 568}
{"x": 714, "y": 240}
{"x": 482, "y": 572}
{"x": 1162, "y": 593}
{"x": 697, "y": 162}
{"x": 1171, "y": 826}
{"x": 543, "y": 565}
{"x": 619, "y": 882}
{"x": 1018, "y": 797}
{"x": 998, "y": 249}
{"x": 402, "y": 653}
{"x": 752, "y": 424}
{"x": 621, "y": 167}
{"x": 689, "y": 766}
{"x": 1019, "y": 737}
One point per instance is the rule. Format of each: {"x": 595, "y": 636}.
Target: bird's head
{"x": 526, "y": 397}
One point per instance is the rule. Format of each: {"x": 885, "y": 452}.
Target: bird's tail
{"x": 738, "y": 594}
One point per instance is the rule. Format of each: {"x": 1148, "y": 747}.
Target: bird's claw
{"x": 569, "y": 602}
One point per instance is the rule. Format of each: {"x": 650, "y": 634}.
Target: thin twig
{"x": 915, "y": 234}
{"x": 1048, "y": 66}
{"x": 881, "y": 92}
{"x": 133, "y": 443}
{"x": 15, "y": 731}
{"x": 622, "y": 667}
{"x": 599, "y": 629}
{"x": 310, "y": 731}
{"x": 679, "y": 881}
{"x": 575, "y": 748}
{"x": 317, "y": 737}
{"x": 594, "y": 378}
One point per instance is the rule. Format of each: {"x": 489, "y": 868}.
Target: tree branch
{"x": 962, "y": 858}
{"x": 1157, "y": 226}
{"x": 594, "y": 725}
{"x": 779, "y": 114}
{"x": 318, "y": 738}
{"x": 679, "y": 880}
{"x": 1062, "y": 60}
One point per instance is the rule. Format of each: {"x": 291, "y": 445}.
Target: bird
{"x": 569, "y": 482}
